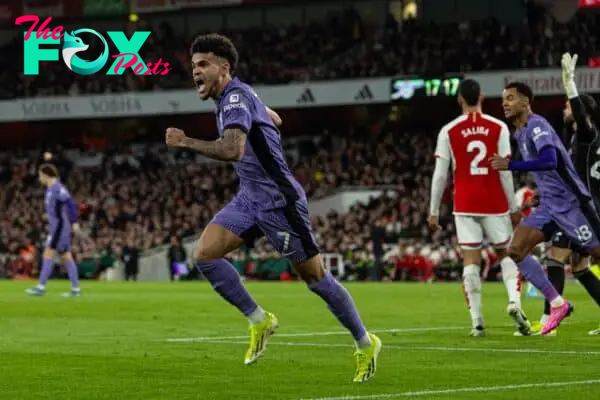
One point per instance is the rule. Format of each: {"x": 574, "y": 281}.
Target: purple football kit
{"x": 270, "y": 200}
{"x": 565, "y": 202}
{"x": 61, "y": 211}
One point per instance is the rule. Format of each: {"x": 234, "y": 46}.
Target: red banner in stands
{"x": 168, "y": 5}
{"x": 53, "y": 8}
{"x": 594, "y": 62}
{"x": 589, "y": 3}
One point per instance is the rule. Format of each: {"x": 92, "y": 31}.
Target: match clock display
{"x": 404, "y": 89}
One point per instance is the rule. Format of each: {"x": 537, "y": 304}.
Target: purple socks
{"x": 225, "y": 280}
{"x": 534, "y": 273}
{"x": 47, "y": 268}
{"x": 73, "y": 273}
{"x": 340, "y": 304}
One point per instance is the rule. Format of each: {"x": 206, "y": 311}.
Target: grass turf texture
{"x": 112, "y": 344}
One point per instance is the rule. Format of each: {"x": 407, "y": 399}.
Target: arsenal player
{"x": 483, "y": 199}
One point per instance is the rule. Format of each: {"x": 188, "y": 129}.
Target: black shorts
{"x": 562, "y": 241}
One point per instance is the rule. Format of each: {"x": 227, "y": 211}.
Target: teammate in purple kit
{"x": 269, "y": 202}
{"x": 62, "y": 221}
{"x": 565, "y": 203}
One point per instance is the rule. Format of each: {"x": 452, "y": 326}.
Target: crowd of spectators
{"x": 149, "y": 196}
{"x": 321, "y": 50}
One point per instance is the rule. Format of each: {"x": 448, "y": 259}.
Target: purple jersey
{"x": 560, "y": 189}
{"x": 59, "y": 206}
{"x": 266, "y": 181}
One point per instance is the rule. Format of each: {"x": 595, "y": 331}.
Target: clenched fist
{"x": 174, "y": 137}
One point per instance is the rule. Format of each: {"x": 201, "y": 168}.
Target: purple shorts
{"x": 287, "y": 228}
{"x": 59, "y": 241}
{"x": 580, "y": 224}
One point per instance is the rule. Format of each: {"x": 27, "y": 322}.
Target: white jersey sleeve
{"x": 442, "y": 149}
{"x": 440, "y": 174}
{"x": 506, "y": 177}
{"x": 504, "y": 142}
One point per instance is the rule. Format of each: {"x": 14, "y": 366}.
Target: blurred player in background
{"x": 62, "y": 221}
{"x": 583, "y": 141}
{"x": 269, "y": 202}
{"x": 564, "y": 199}
{"x": 466, "y": 143}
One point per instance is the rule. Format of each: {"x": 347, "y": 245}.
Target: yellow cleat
{"x": 366, "y": 360}
{"x": 259, "y": 336}
{"x": 536, "y": 328}
{"x": 594, "y": 332}
{"x": 596, "y": 270}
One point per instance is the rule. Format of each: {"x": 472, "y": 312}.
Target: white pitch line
{"x": 315, "y": 334}
{"x": 420, "y": 348}
{"x": 459, "y": 390}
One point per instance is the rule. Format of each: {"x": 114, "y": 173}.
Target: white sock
{"x": 75, "y": 289}
{"x": 257, "y": 316}
{"x": 41, "y": 287}
{"x": 557, "y": 302}
{"x": 472, "y": 286}
{"x": 364, "y": 342}
{"x": 510, "y": 276}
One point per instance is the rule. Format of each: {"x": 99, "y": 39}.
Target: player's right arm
{"x": 237, "y": 121}
{"x": 443, "y": 160}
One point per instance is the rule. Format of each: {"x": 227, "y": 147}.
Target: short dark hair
{"x": 470, "y": 90}
{"x": 589, "y": 103}
{"x": 219, "y": 45}
{"x": 49, "y": 170}
{"x": 522, "y": 88}
{"x": 591, "y": 108}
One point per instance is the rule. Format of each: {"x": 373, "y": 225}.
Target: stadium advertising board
{"x": 297, "y": 95}
{"x": 186, "y": 101}
{"x": 544, "y": 82}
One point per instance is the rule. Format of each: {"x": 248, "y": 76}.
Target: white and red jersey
{"x": 523, "y": 195}
{"x": 468, "y": 142}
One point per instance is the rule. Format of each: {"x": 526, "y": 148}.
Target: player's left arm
{"x": 65, "y": 197}
{"x": 274, "y": 116}
{"x": 586, "y": 131}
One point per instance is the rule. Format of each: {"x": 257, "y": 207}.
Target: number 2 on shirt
{"x": 477, "y": 147}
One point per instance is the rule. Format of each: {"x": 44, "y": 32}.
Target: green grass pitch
{"x": 113, "y": 343}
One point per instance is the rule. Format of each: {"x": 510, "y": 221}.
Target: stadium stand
{"x": 144, "y": 196}
{"x": 275, "y": 54}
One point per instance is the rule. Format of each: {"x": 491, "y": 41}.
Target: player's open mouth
{"x": 200, "y": 85}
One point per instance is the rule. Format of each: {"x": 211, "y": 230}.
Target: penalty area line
{"x": 477, "y": 389}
